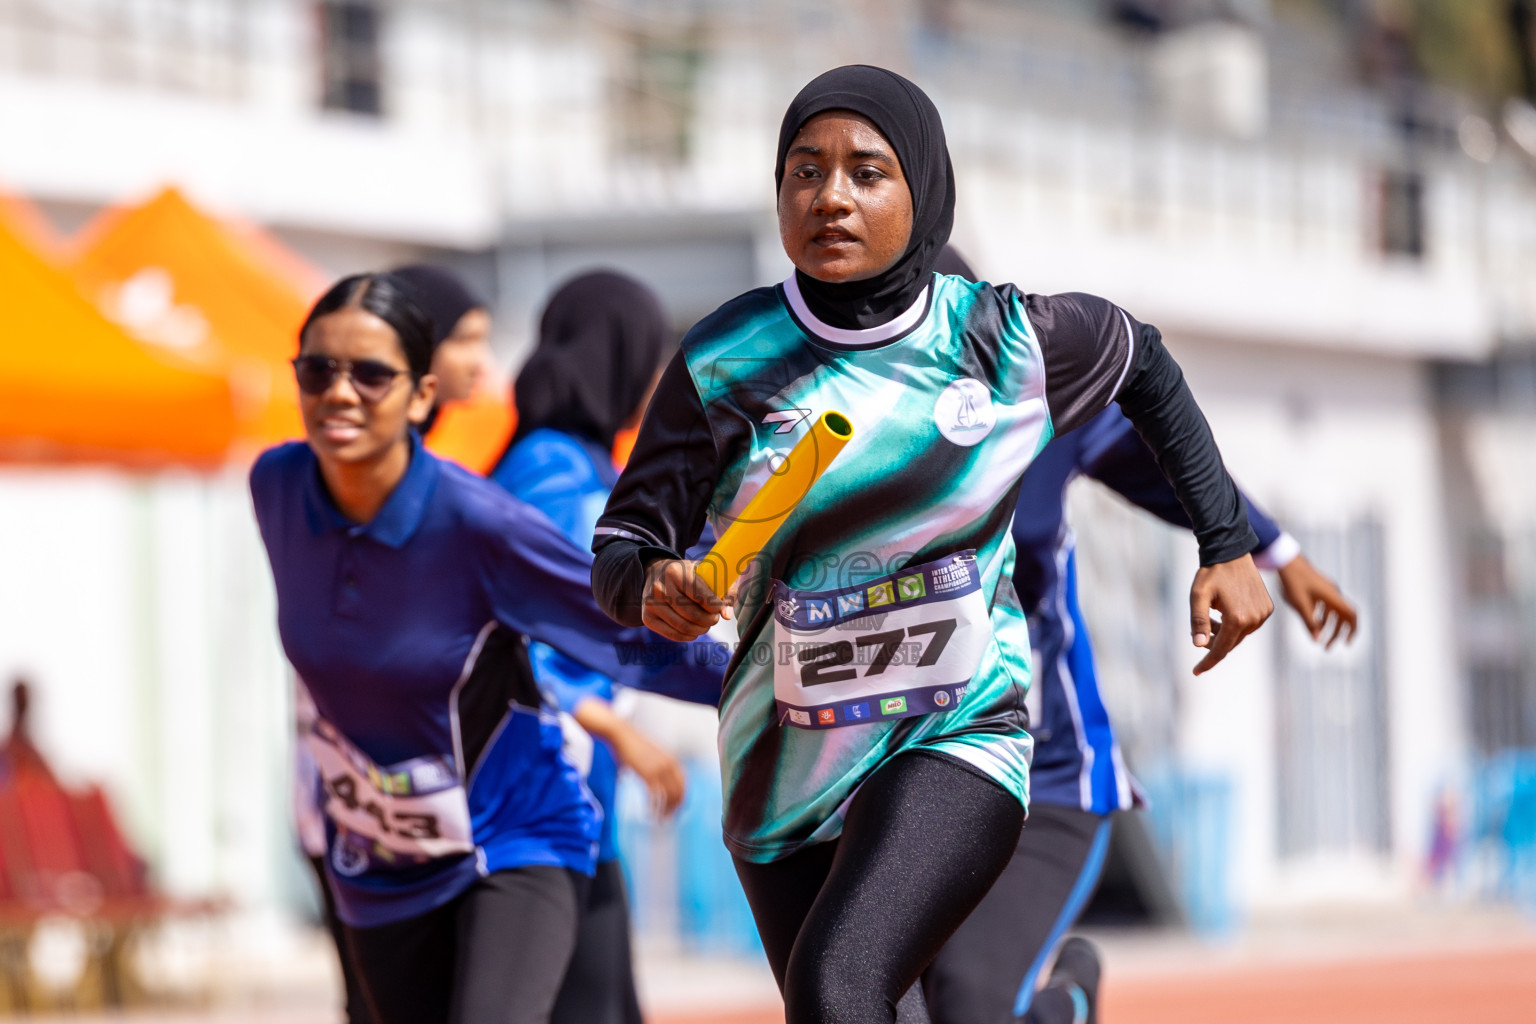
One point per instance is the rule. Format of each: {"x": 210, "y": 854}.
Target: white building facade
{"x": 1311, "y": 266}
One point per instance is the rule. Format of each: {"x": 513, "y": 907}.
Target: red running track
{"x": 1461, "y": 986}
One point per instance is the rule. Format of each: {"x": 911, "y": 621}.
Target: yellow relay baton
{"x": 773, "y": 502}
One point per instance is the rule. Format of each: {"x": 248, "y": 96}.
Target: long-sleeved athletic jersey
{"x": 880, "y": 617}
{"x": 1077, "y": 760}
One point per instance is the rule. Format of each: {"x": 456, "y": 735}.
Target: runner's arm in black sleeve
{"x": 658, "y": 506}
{"x": 1159, "y": 404}
{"x": 1096, "y": 353}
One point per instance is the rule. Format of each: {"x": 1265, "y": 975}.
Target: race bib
{"x": 413, "y": 811}
{"x": 899, "y": 645}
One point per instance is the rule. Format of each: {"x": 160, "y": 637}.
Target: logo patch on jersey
{"x": 910, "y": 588}
{"x": 787, "y": 419}
{"x": 941, "y": 698}
{"x": 893, "y": 706}
{"x": 788, "y": 607}
{"x": 799, "y": 717}
{"x": 881, "y": 594}
{"x": 856, "y": 712}
{"x": 826, "y": 716}
{"x": 850, "y": 603}
{"x": 964, "y": 412}
{"x": 349, "y": 859}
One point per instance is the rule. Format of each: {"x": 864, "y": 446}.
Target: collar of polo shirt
{"x": 401, "y": 514}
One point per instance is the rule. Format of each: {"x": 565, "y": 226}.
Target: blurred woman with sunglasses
{"x": 461, "y": 353}
{"x": 460, "y": 838}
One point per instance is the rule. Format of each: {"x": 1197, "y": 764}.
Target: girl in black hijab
{"x": 873, "y": 737}
{"x": 601, "y": 340}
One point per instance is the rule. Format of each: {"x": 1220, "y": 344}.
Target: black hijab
{"x": 442, "y": 295}
{"x": 601, "y": 338}
{"x": 910, "y": 122}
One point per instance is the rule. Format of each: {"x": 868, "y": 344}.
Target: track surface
{"x": 1461, "y": 986}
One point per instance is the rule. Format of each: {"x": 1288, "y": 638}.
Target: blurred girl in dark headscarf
{"x": 601, "y": 342}
{"x": 461, "y": 333}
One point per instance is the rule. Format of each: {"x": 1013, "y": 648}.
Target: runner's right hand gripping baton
{"x": 773, "y": 502}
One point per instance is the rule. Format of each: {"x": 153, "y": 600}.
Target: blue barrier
{"x": 1190, "y": 817}
{"x": 1503, "y": 822}
{"x": 650, "y": 898}
{"x": 713, "y": 915}
{"x": 681, "y": 880}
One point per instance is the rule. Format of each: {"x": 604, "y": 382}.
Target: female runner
{"x": 460, "y": 838}
{"x": 872, "y": 727}
{"x": 601, "y": 341}
{"x": 461, "y": 332}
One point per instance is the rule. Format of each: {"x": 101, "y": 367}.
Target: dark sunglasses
{"x": 370, "y": 379}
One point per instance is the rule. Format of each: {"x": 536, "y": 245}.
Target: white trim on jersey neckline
{"x": 854, "y": 339}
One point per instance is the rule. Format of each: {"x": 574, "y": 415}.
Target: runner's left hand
{"x": 1236, "y": 590}
{"x": 1318, "y": 601}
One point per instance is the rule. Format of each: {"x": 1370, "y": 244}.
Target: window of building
{"x": 1331, "y": 712}
{"x": 1402, "y": 214}
{"x": 654, "y": 101}
{"x": 349, "y": 57}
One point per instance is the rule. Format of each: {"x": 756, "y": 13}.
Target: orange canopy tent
{"x": 476, "y": 432}
{"x": 74, "y": 386}
{"x": 221, "y": 291}
{"x": 228, "y": 292}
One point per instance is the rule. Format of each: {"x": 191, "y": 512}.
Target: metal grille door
{"x": 1331, "y": 712}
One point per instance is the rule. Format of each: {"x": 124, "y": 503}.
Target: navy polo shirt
{"x": 410, "y": 633}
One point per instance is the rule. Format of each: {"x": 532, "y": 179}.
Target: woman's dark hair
{"x": 391, "y": 300}
{"x": 440, "y": 292}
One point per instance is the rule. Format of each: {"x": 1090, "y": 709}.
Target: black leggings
{"x": 599, "y": 986}
{"x": 494, "y": 955}
{"x": 356, "y": 1008}
{"x": 849, "y": 925}
{"x": 987, "y": 972}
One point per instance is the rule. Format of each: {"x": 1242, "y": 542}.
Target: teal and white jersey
{"x": 949, "y": 404}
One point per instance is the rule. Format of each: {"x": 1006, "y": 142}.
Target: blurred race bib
{"x": 415, "y": 810}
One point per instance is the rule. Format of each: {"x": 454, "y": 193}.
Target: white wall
{"x": 1319, "y": 439}
{"x": 141, "y": 609}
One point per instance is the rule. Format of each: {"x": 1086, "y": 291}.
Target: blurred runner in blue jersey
{"x": 988, "y": 972}
{"x": 602, "y": 339}
{"x": 460, "y": 838}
